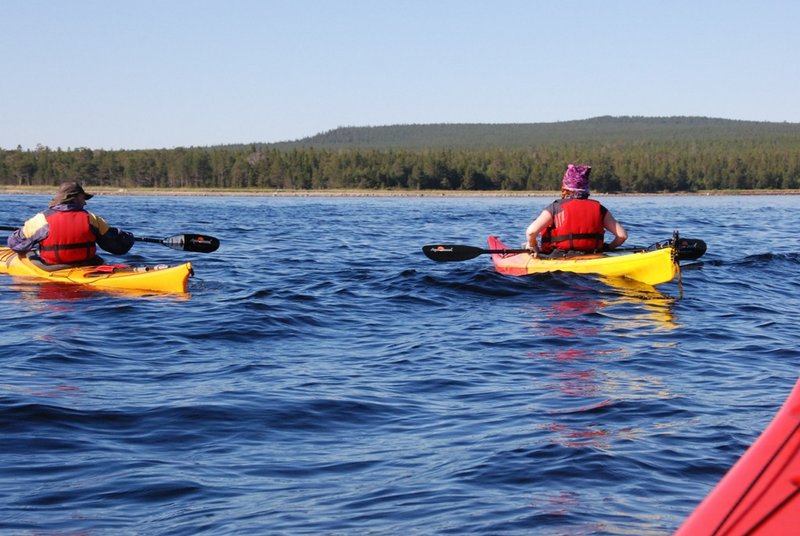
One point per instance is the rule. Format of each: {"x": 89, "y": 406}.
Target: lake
{"x": 323, "y": 376}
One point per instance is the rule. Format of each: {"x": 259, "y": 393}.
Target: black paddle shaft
{"x": 453, "y": 253}
{"x": 688, "y": 249}
{"x": 194, "y": 242}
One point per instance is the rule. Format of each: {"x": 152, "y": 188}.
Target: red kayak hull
{"x": 760, "y": 495}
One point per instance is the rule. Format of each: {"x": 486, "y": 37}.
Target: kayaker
{"x": 574, "y": 222}
{"x": 66, "y": 233}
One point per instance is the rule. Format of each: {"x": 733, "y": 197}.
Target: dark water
{"x": 324, "y": 377}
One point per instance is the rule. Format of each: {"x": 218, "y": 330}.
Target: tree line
{"x": 645, "y": 167}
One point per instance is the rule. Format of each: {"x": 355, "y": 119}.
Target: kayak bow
{"x": 760, "y": 495}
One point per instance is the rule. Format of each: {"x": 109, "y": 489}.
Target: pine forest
{"x": 628, "y": 155}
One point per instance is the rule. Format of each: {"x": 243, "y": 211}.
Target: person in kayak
{"x": 66, "y": 233}
{"x": 574, "y": 222}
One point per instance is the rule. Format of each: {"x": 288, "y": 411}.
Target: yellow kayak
{"x": 649, "y": 267}
{"x": 160, "y": 278}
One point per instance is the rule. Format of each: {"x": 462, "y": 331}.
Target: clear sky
{"x": 139, "y": 74}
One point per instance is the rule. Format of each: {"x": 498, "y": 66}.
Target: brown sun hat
{"x": 67, "y": 192}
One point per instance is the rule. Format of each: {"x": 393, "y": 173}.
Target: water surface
{"x": 324, "y": 377}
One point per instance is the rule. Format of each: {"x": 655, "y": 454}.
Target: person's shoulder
{"x": 594, "y": 202}
{"x": 94, "y": 217}
{"x": 98, "y": 222}
{"x": 40, "y": 218}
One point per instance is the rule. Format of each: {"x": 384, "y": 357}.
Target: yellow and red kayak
{"x": 649, "y": 267}
{"x": 159, "y": 278}
{"x": 760, "y": 495}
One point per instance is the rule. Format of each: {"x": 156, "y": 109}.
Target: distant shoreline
{"x": 210, "y": 192}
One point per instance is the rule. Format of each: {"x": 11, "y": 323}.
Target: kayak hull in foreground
{"x": 166, "y": 279}
{"x": 649, "y": 267}
{"x": 760, "y": 495}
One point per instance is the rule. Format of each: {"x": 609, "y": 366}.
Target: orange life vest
{"x": 577, "y": 226}
{"x": 69, "y": 238}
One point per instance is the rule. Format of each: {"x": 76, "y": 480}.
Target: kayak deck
{"x": 649, "y": 267}
{"x": 760, "y": 495}
{"x": 160, "y": 278}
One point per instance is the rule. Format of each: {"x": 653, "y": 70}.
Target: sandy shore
{"x": 47, "y": 190}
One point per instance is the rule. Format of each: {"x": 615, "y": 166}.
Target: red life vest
{"x": 577, "y": 226}
{"x": 69, "y": 238}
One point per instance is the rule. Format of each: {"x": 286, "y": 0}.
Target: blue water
{"x": 324, "y": 377}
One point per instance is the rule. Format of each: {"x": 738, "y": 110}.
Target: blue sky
{"x": 167, "y": 73}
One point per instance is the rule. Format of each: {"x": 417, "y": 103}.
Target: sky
{"x": 138, "y": 74}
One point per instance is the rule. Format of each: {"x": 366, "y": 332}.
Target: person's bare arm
{"x": 533, "y": 230}
{"x": 615, "y": 228}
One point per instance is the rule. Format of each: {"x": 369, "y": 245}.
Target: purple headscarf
{"x": 576, "y": 179}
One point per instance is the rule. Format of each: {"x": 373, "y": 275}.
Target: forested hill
{"x": 628, "y": 154}
{"x": 602, "y": 130}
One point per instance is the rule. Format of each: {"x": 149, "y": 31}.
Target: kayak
{"x": 649, "y": 267}
{"x": 760, "y": 494}
{"x": 158, "y": 278}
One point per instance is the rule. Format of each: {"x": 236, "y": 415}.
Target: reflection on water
{"x": 46, "y": 293}
{"x": 575, "y": 307}
{"x": 57, "y": 391}
{"x": 591, "y": 436}
{"x": 577, "y": 383}
{"x": 552, "y": 505}
{"x": 657, "y": 307}
{"x": 590, "y": 375}
{"x": 558, "y": 503}
{"x": 630, "y": 304}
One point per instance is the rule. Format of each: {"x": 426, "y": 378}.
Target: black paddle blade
{"x": 192, "y": 242}
{"x": 690, "y": 249}
{"x": 451, "y": 253}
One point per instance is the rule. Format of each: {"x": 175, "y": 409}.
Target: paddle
{"x": 196, "y": 243}
{"x": 688, "y": 249}
{"x": 185, "y": 242}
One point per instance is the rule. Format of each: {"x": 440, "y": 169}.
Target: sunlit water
{"x": 324, "y": 377}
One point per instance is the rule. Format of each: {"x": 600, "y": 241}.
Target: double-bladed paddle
{"x": 196, "y": 243}
{"x": 689, "y": 249}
